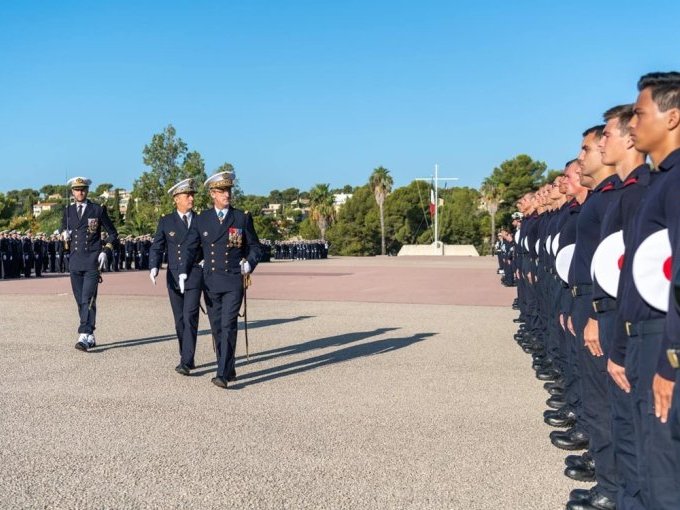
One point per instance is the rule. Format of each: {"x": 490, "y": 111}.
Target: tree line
{"x": 377, "y": 219}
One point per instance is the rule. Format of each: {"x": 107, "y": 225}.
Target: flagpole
{"x": 436, "y": 204}
{"x": 436, "y": 209}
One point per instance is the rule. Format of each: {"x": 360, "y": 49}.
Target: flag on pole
{"x": 432, "y": 202}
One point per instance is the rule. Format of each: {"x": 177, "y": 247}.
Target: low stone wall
{"x": 448, "y": 250}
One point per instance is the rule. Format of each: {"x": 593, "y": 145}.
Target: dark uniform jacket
{"x": 86, "y": 243}
{"x": 224, "y": 245}
{"x": 171, "y": 235}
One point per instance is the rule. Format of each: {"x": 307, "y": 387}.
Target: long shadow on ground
{"x": 164, "y": 338}
{"x": 339, "y": 356}
{"x": 319, "y": 343}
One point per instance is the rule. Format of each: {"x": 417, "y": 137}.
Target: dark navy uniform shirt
{"x": 657, "y": 204}
{"x": 223, "y": 245}
{"x": 170, "y": 236}
{"x": 588, "y": 229}
{"x": 86, "y": 243}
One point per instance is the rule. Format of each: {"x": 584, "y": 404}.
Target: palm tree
{"x": 381, "y": 184}
{"x": 321, "y": 208}
{"x": 492, "y": 196}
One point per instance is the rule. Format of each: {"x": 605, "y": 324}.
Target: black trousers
{"x": 84, "y": 285}
{"x": 185, "y": 309}
{"x": 658, "y": 465}
{"x": 622, "y": 427}
{"x": 223, "y": 310}
{"x": 596, "y": 405}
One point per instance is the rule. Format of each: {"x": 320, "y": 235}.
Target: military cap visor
{"x": 79, "y": 182}
{"x": 185, "y": 186}
{"x": 221, "y": 180}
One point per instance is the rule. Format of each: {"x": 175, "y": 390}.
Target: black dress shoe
{"x": 219, "y": 381}
{"x": 569, "y": 433}
{"x": 596, "y": 501}
{"x": 531, "y": 348}
{"x": 559, "y": 392}
{"x": 580, "y": 494}
{"x": 517, "y": 320}
{"x": 547, "y": 375}
{"x": 183, "y": 369}
{"x": 82, "y": 346}
{"x": 565, "y": 412}
{"x": 555, "y": 421}
{"x": 556, "y": 384}
{"x": 574, "y": 441}
{"x": 578, "y": 460}
{"x": 556, "y": 402}
{"x": 581, "y": 473}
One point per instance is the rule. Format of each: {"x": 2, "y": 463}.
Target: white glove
{"x": 153, "y": 274}
{"x": 65, "y": 235}
{"x": 245, "y": 267}
{"x": 102, "y": 260}
{"x": 182, "y": 279}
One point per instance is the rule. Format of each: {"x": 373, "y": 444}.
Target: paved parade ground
{"x": 372, "y": 383}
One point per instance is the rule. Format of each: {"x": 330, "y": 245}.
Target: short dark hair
{"x": 623, "y": 113}
{"x": 596, "y": 130}
{"x": 665, "y": 88}
{"x": 569, "y": 163}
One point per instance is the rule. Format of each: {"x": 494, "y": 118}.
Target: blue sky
{"x": 295, "y": 93}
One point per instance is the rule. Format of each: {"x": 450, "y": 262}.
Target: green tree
{"x": 101, "y": 188}
{"x": 517, "y": 176}
{"x": 356, "y": 230}
{"x": 169, "y": 162}
{"x": 49, "y": 221}
{"x": 309, "y": 229}
{"x": 381, "y": 184}
{"x": 114, "y": 214}
{"x": 194, "y": 166}
{"x": 321, "y": 207}
{"x": 266, "y": 227}
{"x": 551, "y": 176}
{"x": 491, "y": 198}
{"x": 460, "y": 217}
{"x": 252, "y": 203}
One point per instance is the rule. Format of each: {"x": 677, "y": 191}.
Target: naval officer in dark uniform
{"x": 170, "y": 236}
{"x": 230, "y": 249}
{"x": 81, "y": 226}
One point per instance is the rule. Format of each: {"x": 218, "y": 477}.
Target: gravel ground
{"x": 342, "y": 405}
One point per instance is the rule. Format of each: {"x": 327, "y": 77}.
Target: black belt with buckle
{"x": 673, "y": 357}
{"x": 604, "y": 305}
{"x": 650, "y": 327}
{"x": 581, "y": 290}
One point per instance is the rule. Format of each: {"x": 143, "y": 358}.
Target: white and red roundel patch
{"x": 556, "y": 244}
{"x": 652, "y": 269}
{"x": 563, "y": 261}
{"x": 607, "y": 262}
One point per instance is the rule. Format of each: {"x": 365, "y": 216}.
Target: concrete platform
{"x": 372, "y": 383}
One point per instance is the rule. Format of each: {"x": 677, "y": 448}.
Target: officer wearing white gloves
{"x": 184, "y": 293}
{"x": 226, "y": 240}
{"x": 81, "y": 227}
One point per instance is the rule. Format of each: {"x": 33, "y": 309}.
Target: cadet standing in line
{"x": 230, "y": 249}
{"x": 171, "y": 235}
{"x": 81, "y": 225}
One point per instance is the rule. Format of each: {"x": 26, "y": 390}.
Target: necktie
{"x": 80, "y": 211}
{"x": 185, "y": 220}
{"x": 220, "y": 215}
